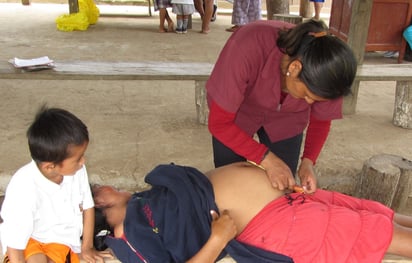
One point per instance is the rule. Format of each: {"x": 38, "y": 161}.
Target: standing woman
{"x": 317, "y": 4}
{"x": 245, "y": 12}
{"x": 275, "y": 80}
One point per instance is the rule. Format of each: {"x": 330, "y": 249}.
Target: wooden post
{"x": 276, "y": 7}
{"x": 402, "y": 113}
{"x": 357, "y": 37}
{"x": 73, "y": 6}
{"x": 350, "y": 100}
{"x": 387, "y": 179}
{"x": 305, "y": 9}
{"x": 293, "y": 19}
{"x": 202, "y": 109}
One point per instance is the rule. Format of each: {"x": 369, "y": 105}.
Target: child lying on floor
{"x": 172, "y": 222}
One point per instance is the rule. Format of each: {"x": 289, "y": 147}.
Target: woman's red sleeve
{"x": 222, "y": 126}
{"x": 316, "y": 135}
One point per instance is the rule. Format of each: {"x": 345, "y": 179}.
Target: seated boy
{"x": 171, "y": 222}
{"x": 48, "y": 204}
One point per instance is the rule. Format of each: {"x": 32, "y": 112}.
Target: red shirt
{"x": 246, "y": 82}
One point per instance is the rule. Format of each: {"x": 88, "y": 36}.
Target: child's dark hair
{"x": 328, "y": 64}
{"x": 52, "y": 132}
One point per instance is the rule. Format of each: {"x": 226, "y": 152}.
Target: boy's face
{"x": 74, "y": 162}
{"x": 69, "y": 166}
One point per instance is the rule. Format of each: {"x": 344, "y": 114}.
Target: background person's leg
{"x": 223, "y": 155}
{"x": 208, "y": 16}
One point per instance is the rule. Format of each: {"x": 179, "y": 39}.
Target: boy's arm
{"x": 88, "y": 252}
{"x": 15, "y": 255}
{"x": 88, "y": 228}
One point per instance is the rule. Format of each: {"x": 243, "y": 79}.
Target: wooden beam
{"x": 359, "y": 27}
{"x": 357, "y": 36}
{"x": 305, "y": 9}
{"x": 276, "y": 7}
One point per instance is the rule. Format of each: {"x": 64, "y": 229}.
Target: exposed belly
{"x": 243, "y": 190}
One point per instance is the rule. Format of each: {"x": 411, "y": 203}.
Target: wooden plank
{"x": 152, "y": 70}
{"x": 387, "y": 72}
{"x": 88, "y": 70}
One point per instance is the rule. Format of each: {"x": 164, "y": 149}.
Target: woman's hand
{"x": 278, "y": 172}
{"x": 223, "y": 230}
{"x": 307, "y": 176}
{"x": 223, "y": 226}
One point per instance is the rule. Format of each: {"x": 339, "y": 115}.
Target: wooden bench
{"x": 402, "y": 74}
{"x": 199, "y": 73}
{"x": 148, "y": 70}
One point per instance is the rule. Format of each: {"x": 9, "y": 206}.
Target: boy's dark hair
{"x": 328, "y": 64}
{"x": 52, "y": 132}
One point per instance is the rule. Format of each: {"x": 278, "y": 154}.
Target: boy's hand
{"x": 91, "y": 255}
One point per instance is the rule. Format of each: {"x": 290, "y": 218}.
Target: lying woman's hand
{"x": 223, "y": 230}
{"x": 223, "y": 226}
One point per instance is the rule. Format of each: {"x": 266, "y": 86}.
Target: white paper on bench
{"x": 22, "y": 63}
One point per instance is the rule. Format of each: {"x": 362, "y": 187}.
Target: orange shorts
{"x": 54, "y": 251}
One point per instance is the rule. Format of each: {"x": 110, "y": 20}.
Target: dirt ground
{"x": 135, "y": 125}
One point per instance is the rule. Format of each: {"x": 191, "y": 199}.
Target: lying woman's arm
{"x": 223, "y": 230}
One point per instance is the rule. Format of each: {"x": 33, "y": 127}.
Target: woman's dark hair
{"x": 328, "y": 64}
{"x": 52, "y": 132}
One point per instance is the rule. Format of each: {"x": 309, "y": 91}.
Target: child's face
{"x": 72, "y": 164}
{"x": 69, "y": 166}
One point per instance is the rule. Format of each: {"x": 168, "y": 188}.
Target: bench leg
{"x": 349, "y": 102}
{"x": 402, "y": 113}
{"x": 202, "y": 109}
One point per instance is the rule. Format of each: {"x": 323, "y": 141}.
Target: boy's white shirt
{"x": 38, "y": 208}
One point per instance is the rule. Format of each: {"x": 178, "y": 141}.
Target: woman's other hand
{"x": 307, "y": 176}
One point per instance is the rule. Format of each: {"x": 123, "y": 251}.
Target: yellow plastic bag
{"x": 87, "y": 15}
{"x": 92, "y": 10}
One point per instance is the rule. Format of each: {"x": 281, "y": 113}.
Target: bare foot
{"x": 233, "y": 28}
{"x": 162, "y": 29}
{"x": 205, "y": 31}
{"x": 171, "y": 27}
